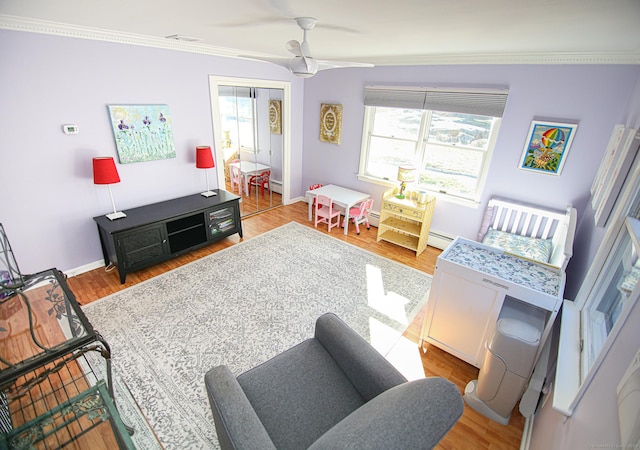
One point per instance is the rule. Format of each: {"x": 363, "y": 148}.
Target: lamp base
{"x": 116, "y": 215}
{"x": 208, "y": 194}
{"x": 400, "y": 194}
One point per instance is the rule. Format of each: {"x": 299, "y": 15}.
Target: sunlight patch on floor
{"x": 390, "y": 304}
{"x": 405, "y": 356}
{"x": 382, "y": 336}
{"x": 399, "y": 351}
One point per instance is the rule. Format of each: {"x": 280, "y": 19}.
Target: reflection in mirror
{"x": 616, "y": 289}
{"x": 252, "y": 145}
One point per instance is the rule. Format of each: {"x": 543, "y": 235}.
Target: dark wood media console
{"x": 154, "y": 233}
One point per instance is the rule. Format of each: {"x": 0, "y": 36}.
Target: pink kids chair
{"x": 360, "y": 214}
{"x": 325, "y": 213}
{"x": 236, "y": 176}
{"x": 311, "y": 188}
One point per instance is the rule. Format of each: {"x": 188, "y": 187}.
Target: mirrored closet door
{"x": 250, "y": 143}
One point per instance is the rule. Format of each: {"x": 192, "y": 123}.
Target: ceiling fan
{"x": 303, "y": 64}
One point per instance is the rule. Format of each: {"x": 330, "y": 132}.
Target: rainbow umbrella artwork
{"x": 547, "y": 146}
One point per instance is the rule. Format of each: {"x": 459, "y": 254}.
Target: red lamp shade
{"x": 104, "y": 171}
{"x": 204, "y": 158}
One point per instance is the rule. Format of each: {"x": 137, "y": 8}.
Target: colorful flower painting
{"x": 547, "y": 146}
{"x": 142, "y": 132}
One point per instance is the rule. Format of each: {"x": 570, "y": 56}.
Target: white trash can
{"x": 507, "y": 365}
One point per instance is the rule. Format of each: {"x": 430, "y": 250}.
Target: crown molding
{"x": 632, "y": 58}
{"x": 16, "y": 23}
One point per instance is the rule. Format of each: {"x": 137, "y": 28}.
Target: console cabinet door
{"x": 142, "y": 247}
{"x": 224, "y": 221}
{"x": 461, "y": 315}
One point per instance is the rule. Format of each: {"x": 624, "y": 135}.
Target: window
{"x": 591, "y": 323}
{"x": 451, "y": 145}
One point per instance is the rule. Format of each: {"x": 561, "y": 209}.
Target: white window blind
{"x": 468, "y": 101}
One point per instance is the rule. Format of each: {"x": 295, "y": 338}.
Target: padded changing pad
{"x": 531, "y": 248}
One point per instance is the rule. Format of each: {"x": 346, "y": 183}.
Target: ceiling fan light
{"x": 302, "y": 68}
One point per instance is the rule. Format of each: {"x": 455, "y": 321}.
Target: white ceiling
{"x": 380, "y": 32}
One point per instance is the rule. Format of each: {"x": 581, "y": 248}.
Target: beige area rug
{"x": 239, "y": 307}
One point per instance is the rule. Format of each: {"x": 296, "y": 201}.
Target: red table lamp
{"x": 204, "y": 160}
{"x": 105, "y": 172}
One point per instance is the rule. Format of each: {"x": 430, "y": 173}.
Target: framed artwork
{"x": 330, "y": 123}
{"x": 142, "y": 132}
{"x": 275, "y": 116}
{"x": 547, "y": 145}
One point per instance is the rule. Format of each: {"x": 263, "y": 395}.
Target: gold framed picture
{"x": 330, "y": 123}
{"x": 275, "y": 116}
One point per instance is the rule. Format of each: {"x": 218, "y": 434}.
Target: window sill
{"x": 378, "y": 181}
{"x": 567, "y": 383}
{"x": 439, "y": 195}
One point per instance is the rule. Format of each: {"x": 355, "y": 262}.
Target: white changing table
{"x": 474, "y": 285}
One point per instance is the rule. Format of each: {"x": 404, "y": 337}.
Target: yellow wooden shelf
{"x": 405, "y": 222}
{"x": 403, "y": 240}
{"x": 403, "y": 225}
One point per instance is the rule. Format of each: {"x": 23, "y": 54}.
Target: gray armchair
{"x": 331, "y": 391}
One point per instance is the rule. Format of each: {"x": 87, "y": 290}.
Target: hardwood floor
{"x": 256, "y": 201}
{"x": 473, "y": 431}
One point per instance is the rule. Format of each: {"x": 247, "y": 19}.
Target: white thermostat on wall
{"x": 70, "y": 129}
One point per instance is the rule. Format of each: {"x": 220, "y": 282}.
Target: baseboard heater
{"x": 436, "y": 238}
{"x": 275, "y": 186}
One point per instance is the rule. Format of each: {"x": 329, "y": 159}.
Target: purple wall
{"x": 48, "y": 81}
{"x": 49, "y": 197}
{"x": 593, "y": 96}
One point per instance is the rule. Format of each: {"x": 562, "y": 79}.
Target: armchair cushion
{"x": 299, "y": 394}
{"x": 434, "y": 406}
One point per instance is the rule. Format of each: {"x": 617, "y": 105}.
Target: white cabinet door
{"x": 461, "y": 315}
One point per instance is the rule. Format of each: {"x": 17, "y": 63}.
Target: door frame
{"x": 214, "y": 83}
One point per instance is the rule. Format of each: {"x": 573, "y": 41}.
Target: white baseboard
{"x": 85, "y": 268}
{"x": 527, "y": 431}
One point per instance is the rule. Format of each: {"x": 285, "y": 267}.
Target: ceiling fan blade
{"x": 304, "y": 46}
{"x": 281, "y": 7}
{"x": 324, "y": 64}
{"x": 284, "y": 62}
{"x": 303, "y": 64}
{"x": 263, "y": 21}
{"x": 310, "y": 63}
{"x": 295, "y": 48}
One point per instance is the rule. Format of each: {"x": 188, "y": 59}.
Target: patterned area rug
{"x": 239, "y": 307}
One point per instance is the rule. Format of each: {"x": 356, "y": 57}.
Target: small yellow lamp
{"x": 406, "y": 174}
